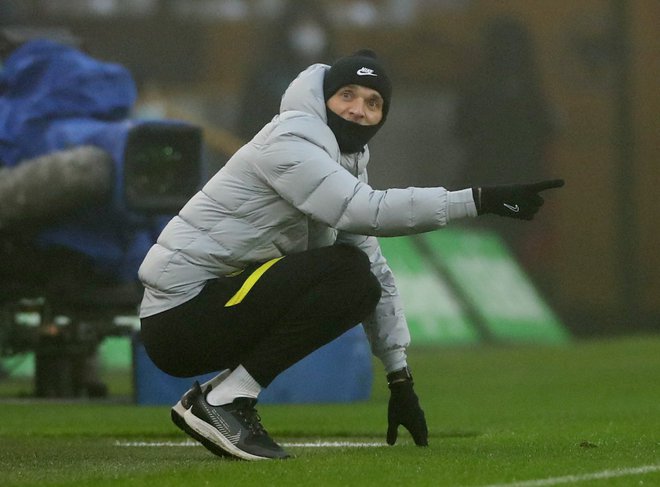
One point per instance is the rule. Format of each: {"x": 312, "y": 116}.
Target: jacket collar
{"x": 305, "y": 94}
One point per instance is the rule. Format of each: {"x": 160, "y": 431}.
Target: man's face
{"x": 357, "y": 104}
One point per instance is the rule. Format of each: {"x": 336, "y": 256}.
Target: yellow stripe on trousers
{"x": 250, "y": 282}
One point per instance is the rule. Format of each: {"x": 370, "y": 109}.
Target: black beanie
{"x": 360, "y": 68}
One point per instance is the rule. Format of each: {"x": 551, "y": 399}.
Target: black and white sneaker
{"x": 233, "y": 429}
{"x": 180, "y": 408}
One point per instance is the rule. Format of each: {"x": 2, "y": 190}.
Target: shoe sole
{"x": 217, "y": 441}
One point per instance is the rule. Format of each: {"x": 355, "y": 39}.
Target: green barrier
{"x": 115, "y": 353}
{"x": 21, "y": 365}
{"x": 490, "y": 282}
{"x": 434, "y": 313}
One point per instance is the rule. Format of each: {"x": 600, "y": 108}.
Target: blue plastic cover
{"x": 54, "y": 97}
{"x": 43, "y": 83}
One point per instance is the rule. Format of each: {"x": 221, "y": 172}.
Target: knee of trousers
{"x": 357, "y": 264}
{"x": 352, "y": 258}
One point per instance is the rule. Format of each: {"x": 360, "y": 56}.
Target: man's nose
{"x": 357, "y": 110}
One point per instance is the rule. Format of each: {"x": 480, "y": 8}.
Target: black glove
{"x": 404, "y": 409}
{"x": 520, "y": 201}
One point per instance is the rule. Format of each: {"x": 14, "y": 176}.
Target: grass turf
{"x": 496, "y": 415}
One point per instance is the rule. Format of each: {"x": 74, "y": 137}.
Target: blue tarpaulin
{"x": 55, "y": 97}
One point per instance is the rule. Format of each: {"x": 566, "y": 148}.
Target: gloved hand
{"x": 520, "y": 201}
{"x": 404, "y": 409}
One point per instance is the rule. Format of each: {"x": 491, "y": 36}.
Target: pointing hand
{"x": 520, "y": 201}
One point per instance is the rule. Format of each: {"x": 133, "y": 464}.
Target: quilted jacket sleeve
{"x": 309, "y": 179}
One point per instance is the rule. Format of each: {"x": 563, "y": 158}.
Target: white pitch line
{"x": 156, "y": 443}
{"x": 605, "y": 474}
{"x": 316, "y": 444}
{"x": 334, "y": 444}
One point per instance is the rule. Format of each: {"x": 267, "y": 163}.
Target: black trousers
{"x": 299, "y": 304}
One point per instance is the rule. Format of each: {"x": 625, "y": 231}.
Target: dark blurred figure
{"x": 503, "y": 117}
{"x": 300, "y": 36}
{"x": 505, "y": 125}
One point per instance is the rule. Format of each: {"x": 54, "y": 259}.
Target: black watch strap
{"x": 401, "y": 375}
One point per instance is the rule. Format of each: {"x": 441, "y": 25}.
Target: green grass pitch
{"x": 585, "y": 414}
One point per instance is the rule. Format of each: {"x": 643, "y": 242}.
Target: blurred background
{"x": 485, "y": 92}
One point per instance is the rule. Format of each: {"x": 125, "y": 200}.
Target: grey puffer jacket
{"x": 288, "y": 190}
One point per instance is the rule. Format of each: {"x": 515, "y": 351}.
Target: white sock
{"x": 238, "y": 384}
{"x": 214, "y": 381}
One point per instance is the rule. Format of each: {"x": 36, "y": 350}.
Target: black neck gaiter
{"x": 351, "y": 136}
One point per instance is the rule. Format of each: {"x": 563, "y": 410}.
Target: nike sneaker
{"x": 233, "y": 429}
